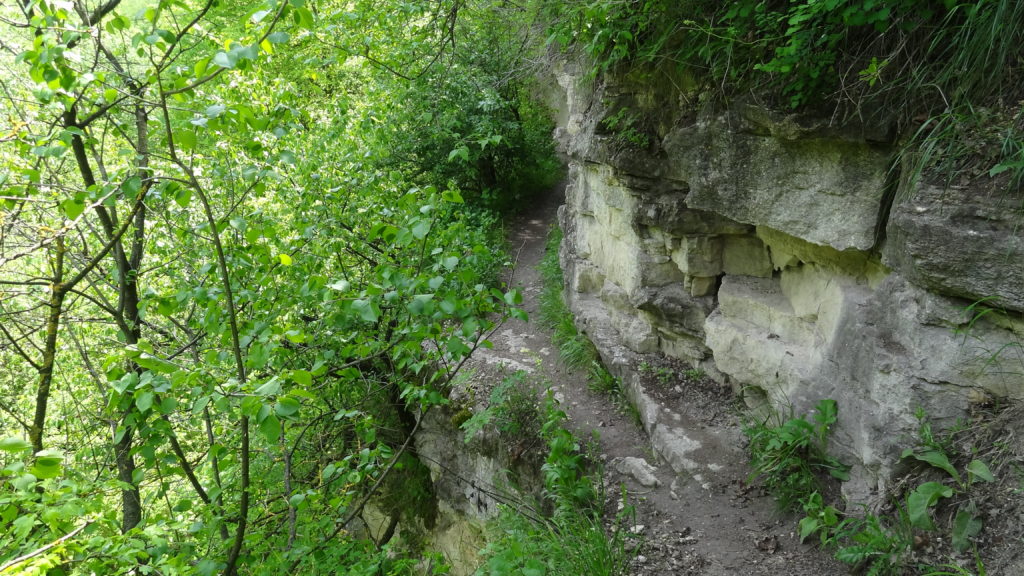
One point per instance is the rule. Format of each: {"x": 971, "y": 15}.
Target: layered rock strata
{"x": 793, "y": 260}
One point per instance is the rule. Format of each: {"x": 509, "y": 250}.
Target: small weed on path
{"x": 789, "y": 456}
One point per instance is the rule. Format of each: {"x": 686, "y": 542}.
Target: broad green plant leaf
{"x": 365, "y": 310}
{"x": 47, "y": 464}
{"x": 302, "y": 377}
{"x": 144, "y": 401}
{"x": 934, "y": 458}
{"x": 921, "y": 499}
{"x": 966, "y": 525}
{"x": 287, "y": 406}
{"x": 14, "y": 444}
{"x": 271, "y": 387}
{"x": 150, "y": 362}
{"x": 270, "y": 427}
{"x": 808, "y": 526}
{"x": 978, "y": 470}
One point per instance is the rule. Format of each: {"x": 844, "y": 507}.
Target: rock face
{"x": 470, "y": 481}
{"x": 768, "y": 250}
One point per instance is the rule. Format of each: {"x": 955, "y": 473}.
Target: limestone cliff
{"x": 791, "y": 258}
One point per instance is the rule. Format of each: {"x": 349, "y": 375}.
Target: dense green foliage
{"x": 243, "y": 249}
{"x": 809, "y": 49}
{"x": 946, "y": 75}
{"x": 789, "y": 455}
{"x": 573, "y": 538}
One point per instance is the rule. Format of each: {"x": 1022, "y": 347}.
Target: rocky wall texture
{"x": 792, "y": 260}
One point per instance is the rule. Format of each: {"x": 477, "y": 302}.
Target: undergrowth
{"x": 935, "y": 513}
{"x": 571, "y": 538}
{"x": 573, "y": 347}
{"x": 789, "y": 456}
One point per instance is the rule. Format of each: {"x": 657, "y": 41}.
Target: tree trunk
{"x": 56, "y": 308}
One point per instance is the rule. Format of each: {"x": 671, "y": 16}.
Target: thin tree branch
{"x": 46, "y": 548}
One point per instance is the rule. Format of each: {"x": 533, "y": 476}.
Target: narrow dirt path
{"x": 684, "y": 470}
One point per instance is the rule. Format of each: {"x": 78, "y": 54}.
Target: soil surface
{"x": 710, "y": 522}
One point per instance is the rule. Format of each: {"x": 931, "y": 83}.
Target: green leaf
{"x": 978, "y": 470}
{"x": 452, "y": 196}
{"x": 72, "y": 208}
{"x": 182, "y": 196}
{"x": 365, "y": 310}
{"x": 303, "y": 378}
{"x": 936, "y": 459}
{"x": 144, "y": 401}
{"x": 826, "y": 412}
{"x": 287, "y": 406}
{"x": 225, "y": 60}
{"x": 199, "y": 69}
{"x": 513, "y": 297}
{"x": 841, "y": 473}
{"x": 47, "y": 464}
{"x": 150, "y": 362}
{"x": 304, "y": 18}
{"x": 808, "y": 526}
{"x": 215, "y": 110}
{"x": 185, "y": 140}
{"x": 130, "y": 188}
{"x": 270, "y": 427}
{"x": 23, "y": 525}
{"x": 278, "y": 38}
{"x": 921, "y": 499}
{"x": 421, "y": 304}
{"x": 420, "y": 229}
{"x": 24, "y": 482}
{"x": 966, "y": 525}
{"x": 14, "y": 444}
{"x": 208, "y": 567}
{"x": 460, "y": 152}
{"x": 457, "y": 348}
{"x": 269, "y": 388}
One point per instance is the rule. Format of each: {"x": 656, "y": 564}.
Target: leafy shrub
{"x": 870, "y": 544}
{"x": 573, "y": 540}
{"x": 514, "y": 410}
{"x": 788, "y": 457}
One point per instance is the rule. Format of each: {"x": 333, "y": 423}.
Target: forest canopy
{"x": 242, "y": 249}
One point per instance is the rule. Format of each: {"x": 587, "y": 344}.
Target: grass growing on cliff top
{"x": 943, "y": 74}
